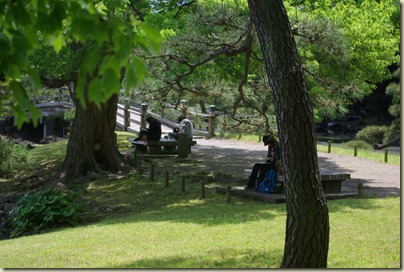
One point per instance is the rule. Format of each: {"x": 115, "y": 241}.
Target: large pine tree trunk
{"x": 307, "y": 225}
{"x": 91, "y": 145}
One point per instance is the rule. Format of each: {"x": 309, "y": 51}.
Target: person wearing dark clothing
{"x": 152, "y": 133}
{"x": 260, "y": 168}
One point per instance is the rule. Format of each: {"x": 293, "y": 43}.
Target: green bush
{"x": 359, "y": 144}
{"x": 44, "y": 209}
{"x": 393, "y": 131}
{"x": 372, "y": 134}
{"x": 14, "y": 157}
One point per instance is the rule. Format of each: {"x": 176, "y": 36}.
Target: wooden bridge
{"x": 132, "y": 118}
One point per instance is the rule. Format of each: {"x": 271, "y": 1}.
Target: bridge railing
{"x": 130, "y": 118}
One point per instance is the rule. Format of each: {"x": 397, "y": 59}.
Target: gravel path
{"x": 232, "y": 157}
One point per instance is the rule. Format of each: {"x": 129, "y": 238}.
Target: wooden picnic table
{"x": 169, "y": 146}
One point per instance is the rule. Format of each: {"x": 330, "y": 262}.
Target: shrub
{"x": 359, "y": 144}
{"x": 372, "y": 134}
{"x": 393, "y": 131}
{"x": 14, "y": 157}
{"x": 44, "y": 209}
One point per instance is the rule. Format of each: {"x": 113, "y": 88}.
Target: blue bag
{"x": 268, "y": 184}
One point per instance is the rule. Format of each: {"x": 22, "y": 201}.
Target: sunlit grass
{"x": 211, "y": 234}
{"x": 393, "y": 158}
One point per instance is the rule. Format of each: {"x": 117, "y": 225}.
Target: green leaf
{"x": 35, "y": 114}
{"x": 152, "y": 35}
{"x": 19, "y": 93}
{"x": 80, "y": 91}
{"x": 110, "y": 62}
{"x": 20, "y": 15}
{"x": 141, "y": 71}
{"x": 58, "y": 42}
{"x": 69, "y": 212}
{"x": 13, "y": 71}
{"x": 48, "y": 217}
{"x": 20, "y": 116}
{"x": 36, "y": 80}
{"x": 130, "y": 77}
{"x": 110, "y": 83}
{"x": 94, "y": 92}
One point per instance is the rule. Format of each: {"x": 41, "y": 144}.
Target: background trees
{"x": 210, "y": 54}
{"x": 346, "y": 49}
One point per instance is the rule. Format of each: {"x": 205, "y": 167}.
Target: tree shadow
{"x": 223, "y": 258}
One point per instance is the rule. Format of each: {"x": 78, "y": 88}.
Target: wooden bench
{"x": 331, "y": 181}
{"x": 155, "y": 147}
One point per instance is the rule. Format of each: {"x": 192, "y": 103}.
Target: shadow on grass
{"x": 224, "y": 258}
{"x": 139, "y": 196}
{"x": 136, "y": 199}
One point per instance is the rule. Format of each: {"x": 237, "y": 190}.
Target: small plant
{"x": 44, "y": 209}
{"x": 14, "y": 157}
{"x": 358, "y": 144}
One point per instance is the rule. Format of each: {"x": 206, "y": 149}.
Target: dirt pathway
{"x": 232, "y": 157}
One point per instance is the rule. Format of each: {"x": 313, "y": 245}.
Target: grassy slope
{"x": 157, "y": 227}
{"x": 211, "y": 234}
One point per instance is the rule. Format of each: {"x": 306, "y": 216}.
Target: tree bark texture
{"x": 307, "y": 224}
{"x": 91, "y": 145}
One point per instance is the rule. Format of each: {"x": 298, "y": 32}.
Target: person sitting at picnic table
{"x": 186, "y": 126}
{"x": 259, "y": 168}
{"x": 152, "y": 133}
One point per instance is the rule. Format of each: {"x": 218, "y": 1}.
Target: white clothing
{"x": 187, "y": 127}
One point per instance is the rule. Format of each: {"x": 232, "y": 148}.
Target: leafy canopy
{"x": 110, "y": 26}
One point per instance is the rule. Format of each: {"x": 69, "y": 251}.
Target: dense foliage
{"x": 372, "y": 134}
{"x": 44, "y": 209}
{"x": 109, "y": 31}
{"x": 211, "y": 56}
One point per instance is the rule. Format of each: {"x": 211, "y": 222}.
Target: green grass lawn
{"x": 211, "y": 234}
{"x": 138, "y": 224}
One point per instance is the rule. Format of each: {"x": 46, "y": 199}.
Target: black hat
{"x": 266, "y": 139}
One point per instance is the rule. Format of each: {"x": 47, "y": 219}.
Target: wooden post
{"x": 143, "y": 113}
{"x": 151, "y": 172}
{"x": 360, "y": 190}
{"x": 182, "y": 184}
{"x": 139, "y": 166}
{"x": 202, "y": 189}
{"x": 126, "y": 115}
{"x": 329, "y": 146}
{"x": 386, "y": 155}
{"x": 212, "y": 114}
{"x": 182, "y": 145}
{"x": 166, "y": 178}
{"x": 228, "y": 193}
{"x": 355, "y": 151}
{"x": 135, "y": 155}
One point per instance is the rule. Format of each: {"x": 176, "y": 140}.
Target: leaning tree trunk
{"x": 91, "y": 145}
{"x": 395, "y": 141}
{"x": 307, "y": 224}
